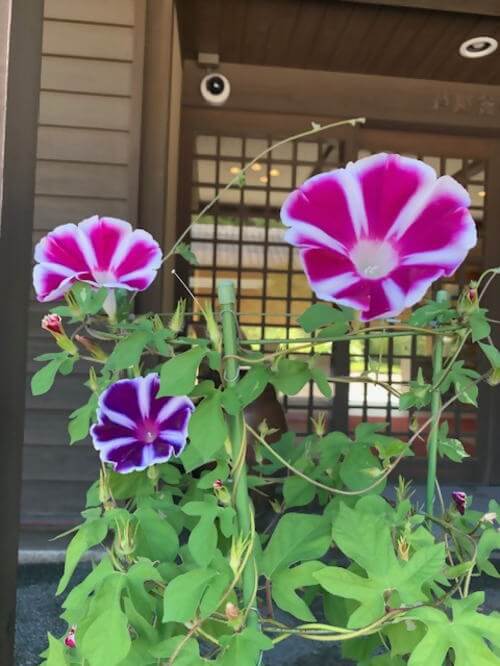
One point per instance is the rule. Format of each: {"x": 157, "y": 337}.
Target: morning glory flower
{"x": 102, "y": 251}
{"x": 375, "y": 235}
{"x": 135, "y": 429}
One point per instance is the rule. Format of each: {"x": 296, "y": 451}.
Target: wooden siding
{"x": 87, "y": 163}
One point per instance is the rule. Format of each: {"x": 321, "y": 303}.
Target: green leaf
{"x": 202, "y": 541}
{"x": 321, "y": 314}
{"x": 450, "y": 447}
{"x": 128, "y": 351}
{"x": 468, "y": 634}
{"x": 106, "y": 642}
{"x": 489, "y": 541}
{"x": 55, "y": 654}
{"x": 188, "y": 656}
{"x": 178, "y": 375}
{"x": 43, "y": 379}
{"x": 89, "y": 534}
{"x": 207, "y": 433}
{"x": 366, "y": 539}
{"x": 431, "y": 312}
{"x": 464, "y": 381}
{"x": 479, "y": 325}
{"x": 184, "y": 593}
{"x": 249, "y": 388}
{"x": 322, "y": 382}
{"x": 244, "y": 648}
{"x": 360, "y": 468}
{"x": 80, "y": 420}
{"x": 156, "y": 538}
{"x": 186, "y": 253}
{"x": 404, "y": 636}
{"x": 297, "y": 491}
{"x": 298, "y": 536}
{"x": 290, "y": 376}
{"x": 135, "y": 484}
{"x": 74, "y": 604}
{"x": 492, "y": 354}
{"x": 285, "y": 584}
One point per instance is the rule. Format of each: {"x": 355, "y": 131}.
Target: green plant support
{"x": 432, "y": 442}
{"x": 227, "y": 300}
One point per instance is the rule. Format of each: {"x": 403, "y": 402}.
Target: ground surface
{"x": 38, "y": 611}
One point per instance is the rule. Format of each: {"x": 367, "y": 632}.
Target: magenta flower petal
{"x": 375, "y": 235}
{"x": 105, "y": 252}
{"x": 135, "y": 429}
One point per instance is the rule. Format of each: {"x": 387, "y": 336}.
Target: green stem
{"x": 432, "y": 442}
{"x": 227, "y": 300}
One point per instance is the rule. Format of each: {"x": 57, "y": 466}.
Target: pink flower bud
{"x": 69, "y": 639}
{"x": 53, "y": 324}
{"x": 232, "y": 611}
{"x": 217, "y": 485}
{"x": 460, "y": 500}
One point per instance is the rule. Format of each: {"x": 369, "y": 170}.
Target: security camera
{"x": 215, "y": 88}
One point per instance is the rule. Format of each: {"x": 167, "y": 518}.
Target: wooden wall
{"x": 87, "y": 162}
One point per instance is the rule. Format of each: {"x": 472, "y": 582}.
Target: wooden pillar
{"x": 160, "y": 140}
{"x": 20, "y": 53}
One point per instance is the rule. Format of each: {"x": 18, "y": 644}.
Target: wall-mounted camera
{"x": 214, "y": 87}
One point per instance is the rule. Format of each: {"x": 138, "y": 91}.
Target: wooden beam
{"x": 384, "y": 100}
{"x": 478, "y": 7}
{"x": 160, "y": 135}
{"x": 19, "y": 89}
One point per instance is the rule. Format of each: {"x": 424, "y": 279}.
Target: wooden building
{"x": 123, "y": 130}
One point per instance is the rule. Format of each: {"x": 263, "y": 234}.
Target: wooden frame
{"x": 16, "y": 220}
{"x": 386, "y": 101}
{"x": 478, "y": 7}
{"x": 233, "y": 120}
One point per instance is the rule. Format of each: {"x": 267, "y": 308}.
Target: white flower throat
{"x": 374, "y": 259}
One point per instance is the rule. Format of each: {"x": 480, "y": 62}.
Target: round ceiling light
{"x": 478, "y": 47}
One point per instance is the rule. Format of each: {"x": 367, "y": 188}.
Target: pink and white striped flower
{"x": 102, "y": 251}
{"x": 136, "y": 429}
{"x": 375, "y": 235}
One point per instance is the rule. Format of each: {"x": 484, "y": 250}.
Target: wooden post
{"x": 20, "y": 52}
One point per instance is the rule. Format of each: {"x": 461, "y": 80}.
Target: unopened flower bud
{"x": 176, "y": 323}
{"x": 53, "y": 324}
{"x": 232, "y": 612}
{"x": 489, "y": 517}
{"x": 319, "y": 424}
{"x": 91, "y": 347}
{"x": 403, "y": 549}
{"x": 468, "y": 300}
{"x": 460, "y": 500}
{"x": 125, "y": 541}
{"x": 69, "y": 639}
{"x": 221, "y": 493}
{"x": 153, "y": 473}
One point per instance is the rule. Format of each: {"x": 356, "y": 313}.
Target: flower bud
{"x": 69, "y": 639}
{"x": 319, "y": 424}
{"x": 176, "y": 323}
{"x": 232, "y": 612}
{"x": 403, "y": 549}
{"x": 221, "y": 493}
{"x": 460, "y": 500}
{"x": 489, "y": 517}
{"x": 236, "y": 554}
{"x": 468, "y": 300}
{"x": 125, "y": 541}
{"x": 90, "y": 346}
{"x": 53, "y": 324}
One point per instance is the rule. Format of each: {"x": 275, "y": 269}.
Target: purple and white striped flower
{"x": 135, "y": 428}
{"x": 375, "y": 235}
{"x": 102, "y": 251}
